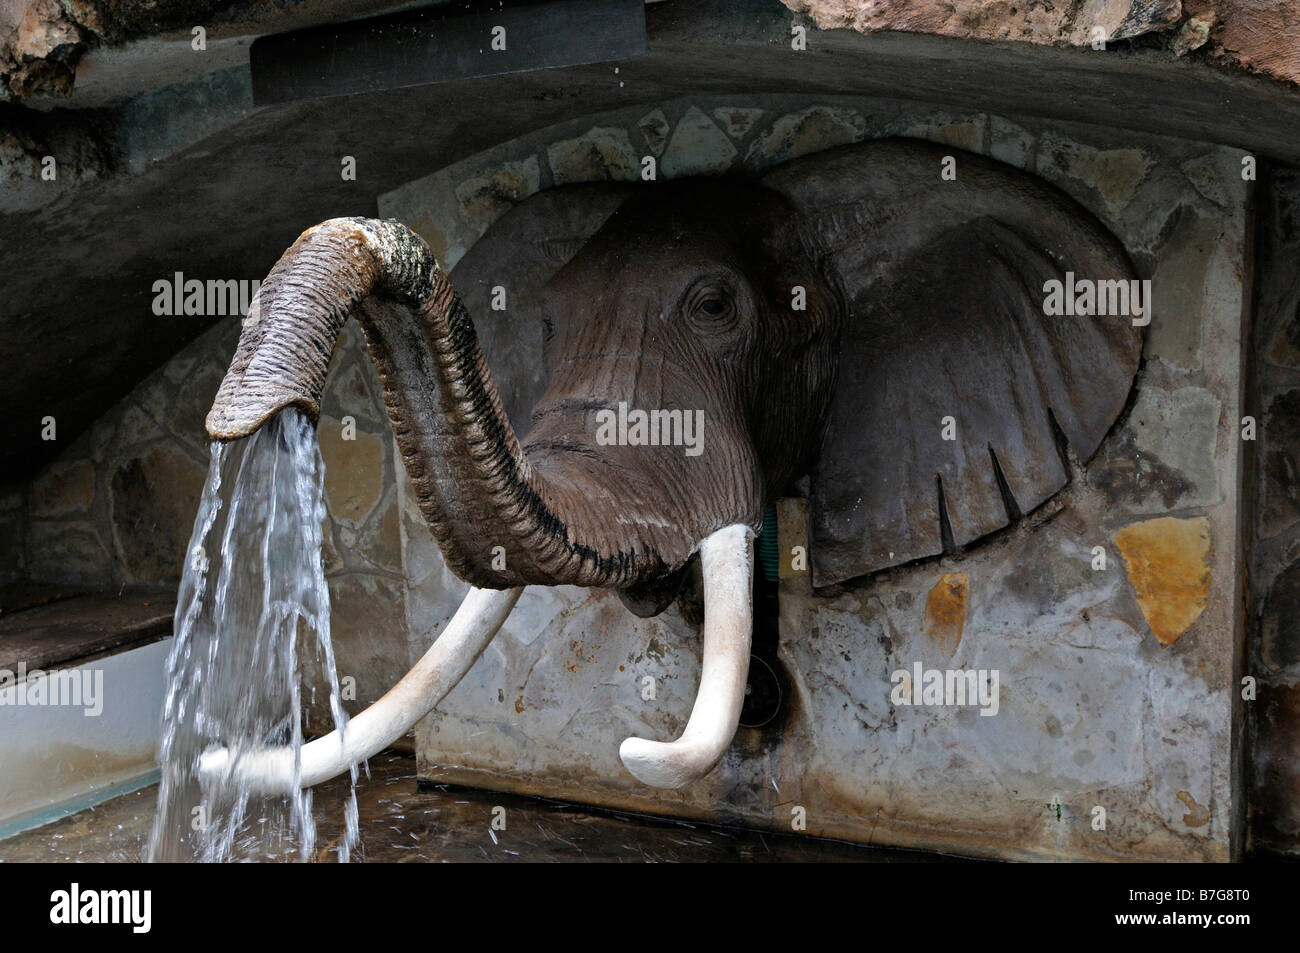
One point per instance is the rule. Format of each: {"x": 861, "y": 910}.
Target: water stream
{"x": 251, "y": 629}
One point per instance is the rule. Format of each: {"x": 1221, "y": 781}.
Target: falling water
{"x": 251, "y": 628}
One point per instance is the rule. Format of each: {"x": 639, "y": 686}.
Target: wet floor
{"x": 402, "y": 823}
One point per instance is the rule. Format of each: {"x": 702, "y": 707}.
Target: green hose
{"x": 769, "y": 553}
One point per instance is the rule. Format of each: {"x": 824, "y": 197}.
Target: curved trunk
{"x": 475, "y": 486}
{"x": 563, "y": 513}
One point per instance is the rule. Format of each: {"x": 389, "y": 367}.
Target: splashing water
{"x": 251, "y": 627}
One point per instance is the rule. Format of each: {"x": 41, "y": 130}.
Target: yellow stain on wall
{"x": 1168, "y": 564}
{"x": 1196, "y": 815}
{"x": 945, "y": 612}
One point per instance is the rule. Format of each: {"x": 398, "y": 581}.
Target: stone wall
{"x": 116, "y": 508}
{"x": 1117, "y": 684}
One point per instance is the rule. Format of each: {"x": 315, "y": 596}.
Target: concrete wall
{"x": 1117, "y": 685}
{"x": 61, "y": 758}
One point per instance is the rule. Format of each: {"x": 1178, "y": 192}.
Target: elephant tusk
{"x": 728, "y": 562}
{"x": 270, "y": 770}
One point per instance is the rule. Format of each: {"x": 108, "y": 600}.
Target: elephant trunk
{"x": 483, "y": 497}
{"x": 498, "y": 522}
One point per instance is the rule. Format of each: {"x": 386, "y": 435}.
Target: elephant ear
{"x": 956, "y": 394}
{"x": 518, "y": 254}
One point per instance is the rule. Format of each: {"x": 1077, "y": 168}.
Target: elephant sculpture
{"x": 825, "y": 318}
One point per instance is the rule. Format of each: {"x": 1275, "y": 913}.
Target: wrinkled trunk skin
{"x": 569, "y": 516}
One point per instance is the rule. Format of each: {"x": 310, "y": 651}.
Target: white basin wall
{"x": 58, "y": 759}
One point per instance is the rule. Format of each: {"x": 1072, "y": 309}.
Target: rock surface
{"x": 39, "y": 50}
{"x": 1056, "y": 21}
{"x": 1257, "y": 35}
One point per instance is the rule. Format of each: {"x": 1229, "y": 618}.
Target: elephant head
{"x": 706, "y": 343}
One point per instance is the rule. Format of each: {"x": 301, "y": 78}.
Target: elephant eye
{"x": 712, "y": 308}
